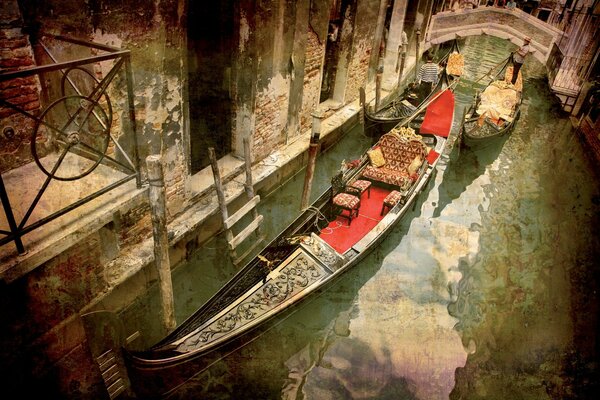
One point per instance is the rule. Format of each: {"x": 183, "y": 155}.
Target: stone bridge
{"x": 506, "y": 24}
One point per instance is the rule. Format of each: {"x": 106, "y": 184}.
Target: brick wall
{"x": 15, "y": 54}
{"x": 271, "y": 117}
{"x": 358, "y": 69}
{"x": 312, "y": 79}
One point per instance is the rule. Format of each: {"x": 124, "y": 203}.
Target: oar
{"x": 427, "y": 102}
{"x": 491, "y": 69}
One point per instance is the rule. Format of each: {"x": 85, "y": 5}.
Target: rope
{"x": 320, "y": 216}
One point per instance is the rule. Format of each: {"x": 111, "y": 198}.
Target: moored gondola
{"x": 366, "y": 199}
{"x": 495, "y": 111}
{"x": 408, "y": 106}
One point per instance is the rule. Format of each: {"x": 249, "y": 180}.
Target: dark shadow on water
{"x": 259, "y": 369}
{"x": 464, "y": 166}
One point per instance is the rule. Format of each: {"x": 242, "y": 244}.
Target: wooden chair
{"x": 342, "y": 200}
{"x": 358, "y": 187}
{"x": 391, "y": 200}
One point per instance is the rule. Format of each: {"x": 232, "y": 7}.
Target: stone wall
{"x": 499, "y": 22}
{"x": 44, "y": 339}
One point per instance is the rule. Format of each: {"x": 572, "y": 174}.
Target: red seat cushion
{"x": 346, "y": 200}
{"x": 361, "y": 184}
{"x": 392, "y": 199}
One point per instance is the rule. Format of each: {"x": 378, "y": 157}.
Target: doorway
{"x": 334, "y": 54}
{"x": 210, "y": 44}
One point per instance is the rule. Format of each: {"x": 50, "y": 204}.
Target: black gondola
{"x": 495, "y": 110}
{"x": 407, "y": 108}
{"x": 303, "y": 260}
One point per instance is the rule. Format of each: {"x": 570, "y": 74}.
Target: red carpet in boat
{"x": 341, "y": 237}
{"x": 439, "y": 115}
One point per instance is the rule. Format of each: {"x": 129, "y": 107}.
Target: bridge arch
{"x": 512, "y": 25}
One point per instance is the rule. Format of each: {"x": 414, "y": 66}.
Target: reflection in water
{"x": 478, "y": 293}
{"x": 311, "y": 355}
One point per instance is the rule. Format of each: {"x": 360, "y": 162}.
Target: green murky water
{"x": 486, "y": 290}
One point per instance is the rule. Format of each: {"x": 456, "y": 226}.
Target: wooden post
{"x": 156, "y": 194}
{"x": 221, "y": 196}
{"x": 401, "y": 67}
{"x": 249, "y": 186}
{"x": 418, "y": 35}
{"x": 363, "y": 105}
{"x": 312, "y": 156}
{"x": 378, "y": 87}
{"x": 461, "y": 132}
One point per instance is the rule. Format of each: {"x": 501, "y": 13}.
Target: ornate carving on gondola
{"x": 323, "y": 252}
{"x": 293, "y": 278}
{"x": 81, "y": 137}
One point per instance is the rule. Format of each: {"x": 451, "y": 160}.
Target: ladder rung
{"x": 112, "y": 379}
{"x": 101, "y": 359}
{"x": 107, "y": 364}
{"x": 241, "y": 258}
{"x": 109, "y": 371}
{"x": 132, "y": 337}
{"x": 116, "y": 388}
{"x": 229, "y": 222}
{"x": 245, "y": 233}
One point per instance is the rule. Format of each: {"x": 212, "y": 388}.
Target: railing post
{"x": 131, "y": 106}
{"x": 312, "y": 156}
{"x": 15, "y": 232}
{"x": 156, "y": 193}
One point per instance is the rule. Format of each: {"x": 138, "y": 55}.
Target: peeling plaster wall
{"x": 276, "y": 77}
{"x": 363, "y": 46}
{"x": 42, "y": 337}
{"x": 312, "y": 79}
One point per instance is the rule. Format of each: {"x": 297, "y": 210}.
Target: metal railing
{"x": 75, "y": 122}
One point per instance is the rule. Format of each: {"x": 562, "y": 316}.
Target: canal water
{"x": 487, "y": 289}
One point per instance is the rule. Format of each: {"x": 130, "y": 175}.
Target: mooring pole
{"x": 378, "y": 87}
{"x": 156, "y": 194}
{"x": 418, "y": 35}
{"x": 249, "y": 186}
{"x": 313, "y": 149}
{"x": 401, "y": 66}
{"x": 363, "y": 105}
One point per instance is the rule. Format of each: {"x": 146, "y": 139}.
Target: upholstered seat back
{"x": 400, "y": 153}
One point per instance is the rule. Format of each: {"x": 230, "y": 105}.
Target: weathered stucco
{"x": 274, "y": 79}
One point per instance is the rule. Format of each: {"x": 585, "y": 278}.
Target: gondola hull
{"x": 474, "y": 137}
{"x": 294, "y": 268}
{"x": 478, "y": 129}
{"x": 158, "y": 379}
{"x": 405, "y": 107}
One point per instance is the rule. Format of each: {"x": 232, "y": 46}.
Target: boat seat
{"x": 345, "y": 204}
{"x": 358, "y": 187}
{"x": 398, "y": 154}
{"x": 391, "y": 200}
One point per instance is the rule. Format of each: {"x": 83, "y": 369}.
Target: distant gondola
{"x": 366, "y": 199}
{"x": 407, "y": 108}
{"x": 495, "y": 110}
